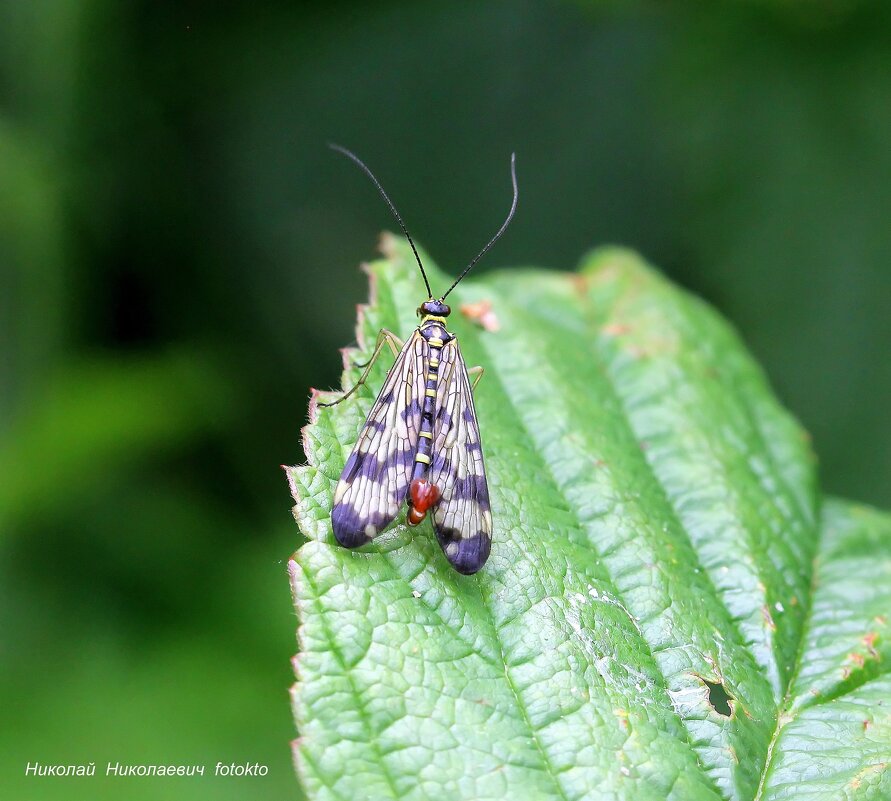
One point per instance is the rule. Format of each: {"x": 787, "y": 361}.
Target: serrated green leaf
{"x": 655, "y": 527}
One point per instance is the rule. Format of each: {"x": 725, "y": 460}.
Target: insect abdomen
{"x": 422, "y": 495}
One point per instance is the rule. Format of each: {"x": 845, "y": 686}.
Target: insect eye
{"x": 434, "y": 307}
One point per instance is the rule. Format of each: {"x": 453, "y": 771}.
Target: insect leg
{"x": 391, "y": 339}
{"x": 476, "y": 373}
{"x": 384, "y": 337}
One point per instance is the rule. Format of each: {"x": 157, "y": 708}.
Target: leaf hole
{"x": 719, "y": 698}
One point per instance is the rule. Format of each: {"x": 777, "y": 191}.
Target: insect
{"x": 421, "y": 441}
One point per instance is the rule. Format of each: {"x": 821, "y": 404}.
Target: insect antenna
{"x": 494, "y": 239}
{"x": 350, "y": 155}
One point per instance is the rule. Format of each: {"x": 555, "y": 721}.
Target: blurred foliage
{"x": 177, "y": 266}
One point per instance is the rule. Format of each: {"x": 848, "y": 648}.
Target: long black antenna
{"x": 494, "y": 239}
{"x": 350, "y": 155}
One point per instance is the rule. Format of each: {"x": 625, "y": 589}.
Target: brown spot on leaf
{"x": 866, "y": 773}
{"x": 622, "y": 715}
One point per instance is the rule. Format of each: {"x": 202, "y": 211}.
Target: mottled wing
{"x": 462, "y": 518}
{"x": 375, "y": 479}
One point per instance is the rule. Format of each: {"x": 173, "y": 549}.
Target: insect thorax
{"x": 433, "y": 329}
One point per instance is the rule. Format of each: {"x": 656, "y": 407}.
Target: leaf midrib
{"x": 495, "y": 370}
{"x": 767, "y": 448}
{"x": 755, "y": 423}
{"x": 521, "y": 704}
{"x": 733, "y": 378}
{"x": 782, "y": 720}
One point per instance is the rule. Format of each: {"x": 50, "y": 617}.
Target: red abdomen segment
{"x": 422, "y": 495}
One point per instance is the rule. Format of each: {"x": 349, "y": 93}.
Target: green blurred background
{"x": 179, "y": 260}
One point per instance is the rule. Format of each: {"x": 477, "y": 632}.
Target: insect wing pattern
{"x": 375, "y": 479}
{"x": 462, "y": 519}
